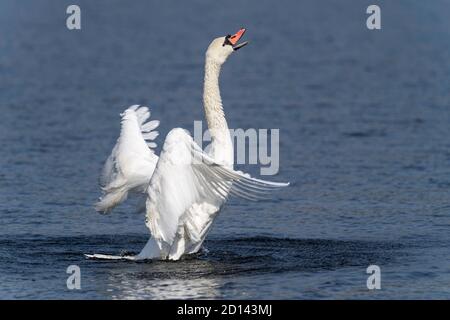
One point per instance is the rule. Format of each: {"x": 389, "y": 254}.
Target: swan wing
{"x": 186, "y": 178}
{"x": 132, "y": 161}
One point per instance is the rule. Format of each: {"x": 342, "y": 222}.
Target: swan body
{"x": 185, "y": 188}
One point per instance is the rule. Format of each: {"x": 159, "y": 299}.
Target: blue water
{"x": 364, "y": 124}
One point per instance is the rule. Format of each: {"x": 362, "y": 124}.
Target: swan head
{"x": 221, "y": 48}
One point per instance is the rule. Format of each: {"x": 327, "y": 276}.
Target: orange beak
{"x": 233, "y": 40}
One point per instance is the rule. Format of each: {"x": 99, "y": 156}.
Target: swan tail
{"x": 97, "y": 256}
{"x": 151, "y": 251}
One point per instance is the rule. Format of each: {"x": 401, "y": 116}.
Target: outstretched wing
{"x": 132, "y": 160}
{"x": 186, "y": 179}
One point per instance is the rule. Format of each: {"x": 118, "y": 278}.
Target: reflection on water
{"x": 258, "y": 267}
{"x": 122, "y": 286}
{"x": 218, "y": 272}
{"x": 190, "y": 278}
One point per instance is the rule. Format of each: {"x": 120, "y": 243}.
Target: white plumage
{"x": 132, "y": 160}
{"x": 185, "y": 188}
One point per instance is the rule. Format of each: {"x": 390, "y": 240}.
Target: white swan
{"x": 186, "y": 188}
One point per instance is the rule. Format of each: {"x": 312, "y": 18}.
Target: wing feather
{"x": 185, "y": 178}
{"x": 132, "y": 161}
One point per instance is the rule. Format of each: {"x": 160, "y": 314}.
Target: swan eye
{"x": 227, "y": 41}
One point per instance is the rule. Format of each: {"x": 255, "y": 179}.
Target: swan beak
{"x": 235, "y": 38}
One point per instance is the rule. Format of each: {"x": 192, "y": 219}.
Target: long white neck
{"x": 221, "y": 148}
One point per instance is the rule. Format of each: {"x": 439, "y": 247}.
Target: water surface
{"x": 364, "y": 132}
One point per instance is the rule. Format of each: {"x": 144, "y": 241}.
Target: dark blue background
{"x": 364, "y": 131}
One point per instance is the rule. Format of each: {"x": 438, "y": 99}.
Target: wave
{"x": 220, "y": 257}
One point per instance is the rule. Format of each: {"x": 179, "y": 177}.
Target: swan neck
{"x": 212, "y": 100}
